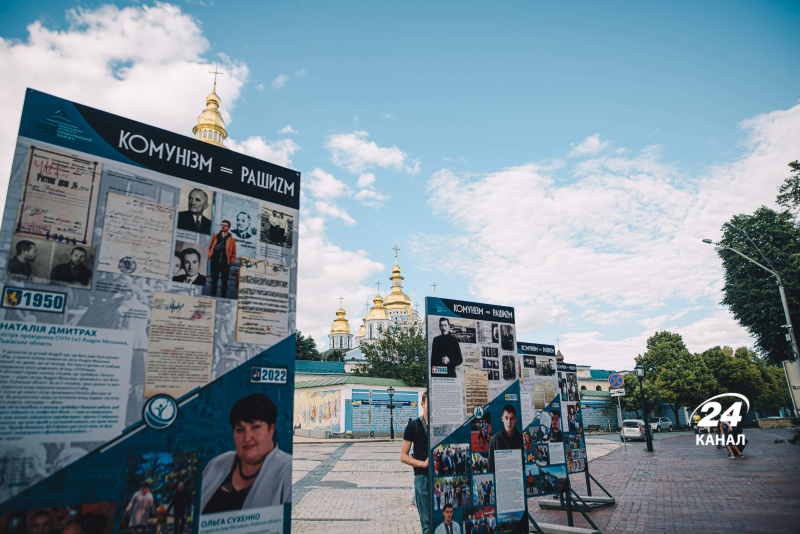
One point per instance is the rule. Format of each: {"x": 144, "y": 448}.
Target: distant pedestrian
{"x": 730, "y": 437}
{"x": 416, "y": 433}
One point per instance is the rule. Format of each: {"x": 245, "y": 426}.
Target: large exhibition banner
{"x": 146, "y": 330}
{"x": 545, "y": 467}
{"x": 574, "y": 440}
{"x": 477, "y": 454}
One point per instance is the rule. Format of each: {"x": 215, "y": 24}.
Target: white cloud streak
{"x": 352, "y": 151}
{"x": 280, "y": 81}
{"x": 590, "y": 146}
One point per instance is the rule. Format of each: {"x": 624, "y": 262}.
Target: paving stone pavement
{"x": 362, "y": 487}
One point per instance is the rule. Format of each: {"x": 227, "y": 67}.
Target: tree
{"x": 682, "y": 378}
{"x": 306, "y": 348}
{"x": 734, "y": 373}
{"x": 397, "y": 353}
{"x": 609, "y": 411}
{"x": 750, "y": 292}
{"x": 789, "y": 192}
{"x": 336, "y": 356}
{"x": 775, "y": 394}
{"x": 632, "y": 401}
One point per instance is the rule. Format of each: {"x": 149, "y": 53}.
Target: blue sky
{"x": 563, "y": 159}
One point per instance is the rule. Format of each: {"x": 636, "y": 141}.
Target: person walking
{"x": 416, "y": 433}
{"x": 181, "y": 502}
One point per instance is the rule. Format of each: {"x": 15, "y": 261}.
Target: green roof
{"x": 599, "y": 374}
{"x": 308, "y": 366}
{"x": 341, "y": 380}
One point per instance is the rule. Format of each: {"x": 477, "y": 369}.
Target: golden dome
{"x": 378, "y": 312}
{"x": 397, "y": 299}
{"x": 340, "y": 324}
{"x": 210, "y": 127}
{"x": 362, "y": 331}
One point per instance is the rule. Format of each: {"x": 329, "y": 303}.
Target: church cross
{"x": 395, "y": 250}
{"x": 557, "y": 340}
{"x": 378, "y": 283}
{"x": 340, "y": 301}
{"x": 434, "y": 289}
{"x": 215, "y": 73}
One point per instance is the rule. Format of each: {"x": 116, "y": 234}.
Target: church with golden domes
{"x": 210, "y": 127}
{"x": 395, "y": 310}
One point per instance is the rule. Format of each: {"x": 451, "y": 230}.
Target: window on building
{"x": 370, "y": 331}
{"x": 598, "y": 388}
{"x": 583, "y": 388}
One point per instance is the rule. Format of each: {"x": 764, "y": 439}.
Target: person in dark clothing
{"x": 181, "y": 502}
{"x": 73, "y": 272}
{"x": 222, "y": 254}
{"x": 20, "y": 265}
{"x": 416, "y": 434}
{"x": 508, "y": 438}
{"x": 445, "y": 352}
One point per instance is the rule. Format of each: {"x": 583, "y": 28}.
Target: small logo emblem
{"x": 478, "y": 412}
{"x": 160, "y": 412}
{"x": 127, "y": 265}
{"x": 13, "y": 296}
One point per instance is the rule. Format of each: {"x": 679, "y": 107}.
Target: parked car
{"x": 632, "y": 429}
{"x": 660, "y": 423}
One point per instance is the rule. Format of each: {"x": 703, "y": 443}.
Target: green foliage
{"x": 750, "y": 292}
{"x": 399, "y": 353}
{"x": 775, "y": 394}
{"x": 734, "y": 372}
{"x": 306, "y": 348}
{"x": 632, "y": 401}
{"x": 789, "y": 192}
{"x": 336, "y": 356}
{"x": 682, "y": 378}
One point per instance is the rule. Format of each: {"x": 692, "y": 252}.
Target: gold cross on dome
{"x": 395, "y": 250}
{"x": 340, "y": 301}
{"x": 434, "y": 289}
{"x": 215, "y": 73}
{"x": 378, "y": 283}
{"x": 557, "y": 340}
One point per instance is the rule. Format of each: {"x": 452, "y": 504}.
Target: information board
{"x": 146, "y": 330}
{"x": 571, "y": 414}
{"x": 477, "y": 456}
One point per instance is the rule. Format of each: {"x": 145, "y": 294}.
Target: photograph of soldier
{"x": 509, "y": 367}
{"x": 193, "y": 262}
{"x": 276, "y": 227}
{"x": 507, "y": 337}
{"x": 222, "y": 254}
{"x": 71, "y": 265}
{"x": 445, "y": 351}
{"x": 451, "y": 460}
{"x": 509, "y": 437}
{"x": 545, "y": 366}
{"x": 194, "y": 213}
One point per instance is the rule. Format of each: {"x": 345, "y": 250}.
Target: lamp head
{"x": 390, "y": 391}
{"x": 639, "y": 371}
{"x": 718, "y": 249}
{"x": 707, "y": 241}
{"x": 728, "y": 225}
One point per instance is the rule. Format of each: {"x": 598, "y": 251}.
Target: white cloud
{"x": 353, "y": 152}
{"x": 325, "y": 272}
{"x": 287, "y": 129}
{"x": 280, "y": 81}
{"x": 108, "y": 58}
{"x": 277, "y": 152}
{"x": 371, "y": 198}
{"x": 366, "y": 180}
{"x": 300, "y": 72}
{"x": 335, "y": 212}
{"x": 260, "y": 87}
{"x": 589, "y": 147}
{"x": 323, "y": 185}
{"x": 389, "y": 116}
{"x": 609, "y": 240}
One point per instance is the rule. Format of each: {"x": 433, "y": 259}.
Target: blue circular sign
{"x": 160, "y": 412}
{"x": 616, "y": 380}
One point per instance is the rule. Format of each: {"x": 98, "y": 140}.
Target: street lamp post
{"x": 391, "y": 407}
{"x": 790, "y": 337}
{"x": 639, "y": 372}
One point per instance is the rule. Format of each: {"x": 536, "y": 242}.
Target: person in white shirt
{"x": 448, "y": 527}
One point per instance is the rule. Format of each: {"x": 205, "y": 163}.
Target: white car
{"x": 660, "y": 423}
{"x": 632, "y": 429}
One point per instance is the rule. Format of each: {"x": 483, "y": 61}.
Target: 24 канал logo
{"x": 732, "y": 416}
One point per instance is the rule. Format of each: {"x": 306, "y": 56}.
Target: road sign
{"x": 616, "y": 380}
{"x": 617, "y": 392}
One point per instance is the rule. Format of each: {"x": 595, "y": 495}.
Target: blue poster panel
{"x": 146, "y": 331}
{"x": 574, "y": 441}
{"x": 477, "y": 455}
{"x": 545, "y": 467}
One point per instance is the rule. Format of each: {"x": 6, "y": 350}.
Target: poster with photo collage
{"x": 572, "y": 416}
{"x": 545, "y": 467}
{"x": 477, "y": 455}
{"x": 146, "y": 317}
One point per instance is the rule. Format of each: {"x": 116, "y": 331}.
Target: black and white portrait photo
{"x": 194, "y": 211}
{"x": 507, "y": 337}
{"x": 545, "y": 366}
{"x": 277, "y": 227}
